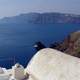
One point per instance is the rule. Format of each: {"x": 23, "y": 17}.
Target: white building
{"x": 4, "y": 74}
{"x": 18, "y": 72}
{"x": 50, "y": 64}
{"x": 47, "y": 64}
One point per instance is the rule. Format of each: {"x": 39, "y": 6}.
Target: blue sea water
{"x": 17, "y": 40}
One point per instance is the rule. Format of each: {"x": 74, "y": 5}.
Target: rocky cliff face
{"x": 42, "y": 18}
{"x": 70, "y": 45}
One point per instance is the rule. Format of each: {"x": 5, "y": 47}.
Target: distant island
{"x": 42, "y": 18}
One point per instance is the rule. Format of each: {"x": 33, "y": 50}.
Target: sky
{"x": 16, "y": 7}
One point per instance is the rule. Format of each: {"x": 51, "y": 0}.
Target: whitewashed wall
{"x": 50, "y": 64}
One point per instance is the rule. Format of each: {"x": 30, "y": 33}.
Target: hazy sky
{"x": 15, "y": 7}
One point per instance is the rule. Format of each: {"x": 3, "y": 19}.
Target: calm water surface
{"x": 17, "y": 40}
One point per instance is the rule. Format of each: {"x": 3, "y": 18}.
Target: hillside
{"x": 70, "y": 45}
{"x": 42, "y": 18}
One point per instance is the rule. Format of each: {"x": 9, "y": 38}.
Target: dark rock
{"x": 39, "y": 45}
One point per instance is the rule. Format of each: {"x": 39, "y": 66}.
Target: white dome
{"x": 50, "y": 64}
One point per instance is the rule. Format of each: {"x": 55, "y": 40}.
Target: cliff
{"x": 42, "y": 18}
{"x": 70, "y": 45}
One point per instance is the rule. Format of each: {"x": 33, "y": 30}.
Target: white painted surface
{"x": 18, "y": 72}
{"x": 50, "y": 64}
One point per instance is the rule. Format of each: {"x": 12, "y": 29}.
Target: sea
{"x": 17, "y": 40}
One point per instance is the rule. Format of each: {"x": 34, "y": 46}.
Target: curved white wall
{"x": 50, "y": 64}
